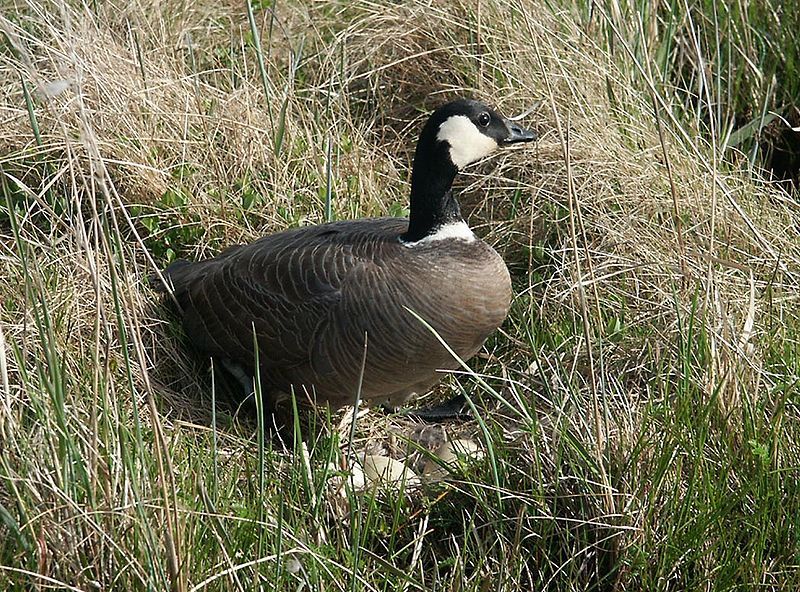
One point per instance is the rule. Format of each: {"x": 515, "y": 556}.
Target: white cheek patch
{"x": 455, "y": 230}
{"x": 467, "y": 143}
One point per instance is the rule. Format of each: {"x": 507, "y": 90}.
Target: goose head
{"x": 456, "y": 135}
{"x": 470, "y": 130}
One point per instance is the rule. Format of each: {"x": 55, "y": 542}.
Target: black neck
{"x": 432, "y": 201}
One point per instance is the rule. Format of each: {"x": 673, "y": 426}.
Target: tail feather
{"x": 172, "y": 276}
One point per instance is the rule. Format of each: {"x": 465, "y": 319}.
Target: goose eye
{"x": 484, "y": 119}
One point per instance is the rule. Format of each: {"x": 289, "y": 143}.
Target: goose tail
{"x": 174, "y": 276}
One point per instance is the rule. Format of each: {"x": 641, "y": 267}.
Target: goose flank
{"x": 311, "y": 294}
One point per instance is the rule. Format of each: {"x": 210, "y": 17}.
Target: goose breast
{"x": 461, "y": 289}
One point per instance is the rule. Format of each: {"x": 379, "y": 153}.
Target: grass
{"x": 638, "y": 408}
{"x": 727, "y": 68}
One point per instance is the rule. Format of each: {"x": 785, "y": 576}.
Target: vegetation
{"x": 639, "y": 408}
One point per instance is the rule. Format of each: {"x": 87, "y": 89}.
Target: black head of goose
{"x": 308, "y": 296}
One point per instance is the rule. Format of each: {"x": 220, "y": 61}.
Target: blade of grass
{"x": 262, "y": 69}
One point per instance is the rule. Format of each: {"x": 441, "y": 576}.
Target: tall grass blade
{"x": 262, "y": 69}
{"x": 34, "y": 121}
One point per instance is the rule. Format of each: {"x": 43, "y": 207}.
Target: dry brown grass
{"x": 139, "y": 100}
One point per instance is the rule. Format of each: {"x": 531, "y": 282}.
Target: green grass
{"x": 638, "y": 409}
{"x": 728, "y": 68}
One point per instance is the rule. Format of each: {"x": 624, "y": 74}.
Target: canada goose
{"x": 310, "y": 295}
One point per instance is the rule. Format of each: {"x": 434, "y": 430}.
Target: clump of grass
{"x": 730, "y": 70}
{"x": 638, "y": 405}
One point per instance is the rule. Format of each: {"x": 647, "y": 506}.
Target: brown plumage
{"x": 310, "y": 295}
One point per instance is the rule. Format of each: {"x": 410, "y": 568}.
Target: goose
{"x": 334, "y": 311}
